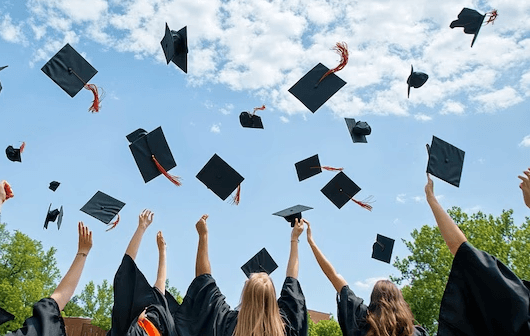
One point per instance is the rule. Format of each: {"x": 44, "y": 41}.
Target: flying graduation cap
{"x": 292, "y": 213}
{"x": 5, "y": 316}
{"x": 471, "y": 21}
{"x": 52, "y": 215}
{"x": 104, "y": 207}
{"x": 358, "y": 130}
{"x": 321, "y": 83}
{"x": 382, "y": 248}
{"x": 219, "y": 177}
{"x": 251, "y": 120}
{"x": 71, "y": 72}
{"x": 54, "y": 185}
{"x": 2, "y": 68}
{"x": 310, "y": 167}
{"x": 341, "y": 189}
{"x": 261, "y": 262}
{"x": 416, "y": 79}
{"x": 152, "y": 154}
{"x": 175, "y": 46}
{"x": 445, "y": 161}
{"x": 13, "y": 154}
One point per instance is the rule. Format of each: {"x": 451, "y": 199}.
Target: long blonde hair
{"x": 389, "y": 314}
{"x": 259, "y": 314}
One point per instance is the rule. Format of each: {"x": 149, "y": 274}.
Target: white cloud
{"x": 401, "y": 198}
{"x": 11, "y": 32}
{"x": 227, "y": 109}
{"x": 422, "y": 117}
{"x": 216, "y": 128}
{"x": 284, "y": 119}
{"x": 525, "y": 142}
{"x": 499, "y": 99}
{"x": 452, "y": 107}
{"x": 418, "y": 199}
{"x": 368, "y": 283}
{"x": 473, "y": 209}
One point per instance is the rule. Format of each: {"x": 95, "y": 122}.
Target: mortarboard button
{"x": 416, "y": 79}
{"x": 341, "y": 189}
{"x": 5, "y": 316}
{"x": 292, "y": 213}
{"x": 310, "y": 167}
{"x": 358, "y": 130}
{"x": 251, "y": 120}
{"x": 261, "y": 262}
{"x": 175, "y": 46}
{"x": 445, "y": 161}
{"x": 471, "y": 21}
{"x": 2, "y": 68}
{"x": 103, "y": 207}
{"x": 219, "y": 177}
{"x": 54, "y": 185}
{"x": 382, "y": 248}
{"x": 152, "y": 154}
{"x": 53, "y": 215}
{"x": 13, "y": 154}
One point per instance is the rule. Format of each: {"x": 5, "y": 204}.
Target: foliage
{"x": 174, "y": 291}
{"x": 323, "y": 328}
{"x": 94, "y": 302}
{"x": 427, "y": 268}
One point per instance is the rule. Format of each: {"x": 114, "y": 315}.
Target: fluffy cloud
{"x": 216, "y": 128}
{"x": 525, "y": 142}
{"x": 368, "y": 283}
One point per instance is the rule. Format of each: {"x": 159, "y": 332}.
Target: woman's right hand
{"x": 309, "y": 234}
{"x": 201, "y": 227}
{"x": 145, "y": 219}
{"x": 85, "y": 239}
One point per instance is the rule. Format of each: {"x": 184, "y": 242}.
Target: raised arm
{"x": 4, "y": 190}
{"x": 292, "y": 265}
{"x": 202, "y": 264}
{"x": 525, "y": 186}
{"x": 336, "y": 279}
{"x": 451, "y": 233}
{"x": 64, "y": 291}
{"x": 144, "y": 220}
{"x": 161, "y": 274}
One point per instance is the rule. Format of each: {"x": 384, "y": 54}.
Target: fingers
{"x": 204, "y": 217}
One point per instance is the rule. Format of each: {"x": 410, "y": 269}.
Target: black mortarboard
{"x": 308, "y": 167}
{"x": 69, "y": 70}
{"x": 53, "y": 215}
{"x": 416, "y": 79}
{"x": 2, "y": 68}
{"x": 5, "y": 316}
{"x": 250, "y": 120}
{"x": 358, "y": 130}
{"x": 54, "y": 185}
{"x": 175, "y": 46}
{"x": 261, "y": 262}
{"x": 292, "y": 213}
{"x": 340, "y": 189}
{"x": 146, "y": 145}
{"x": 445, "y": 161}
{"x": 382, "y": 249}
{"x": 103, "y": 207}
{"x": 312, "y": 92}
{"x": 471, "y": 21}
{"x": 218, "y": 176}
{"x": 13, "y": 154}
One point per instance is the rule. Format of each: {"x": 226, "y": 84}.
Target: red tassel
{"x": 492, "y": 16}
{"x": 328, "y": 168}
{"x": 114, "y": 224}
{"x": 237, "y": 196}
{"x": 97, "y": 98}
{"x": 8, "y": 190}
{"x": 342, "y": 50}
{"x": 22, "y": 147}
{"x": 259, "y": 108}
{"x": 365, "y": 203}
{"x": 172, "y": 178}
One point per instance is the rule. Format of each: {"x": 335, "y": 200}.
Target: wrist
{"x": 294, "y": 240}
{"x": 82, "y": 254}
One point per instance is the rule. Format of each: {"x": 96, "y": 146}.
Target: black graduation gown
{"x": 132, "y": 294}
{"x": 204, "y": 311}
{"x": 352, "y": 315}
{"x": 46, "y": 321}
{"x": 483, "y": 297}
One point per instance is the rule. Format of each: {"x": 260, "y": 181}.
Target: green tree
{"x": 323, "y": 328}
{"x": 94, "y": 302}
{"x": 28, "y": 273}
{"x": 427, "y": 268}
{"x": 174, "y": 291}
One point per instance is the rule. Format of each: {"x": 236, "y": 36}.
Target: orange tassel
{"x": 97, "y": 98}
{"x": 342, "y": 50}
{"x": 365, "y": 203}
{"x": 172, "y": 178}
{"x": 237, "y": 196}
{"x": 114, "y": 224}
{"x": 328, "y": 168}
{"x": 22, "y": 147}
{"x": 9, "y": 191}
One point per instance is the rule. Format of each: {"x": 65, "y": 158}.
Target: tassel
{"x": 22, "y": 147}
{"x": 97, "y": 98}
{"x": 328, "y": 168}
{"x": 342, "y": 50}
{"x": 258, "y": 108}
{"x": 492, "y": 16}
{"x": 172, "y": 178}
{"x": 8, "y": 191}
{"x": 114, "y": 224}
{"x": 365, "y": 203}
{"x": 237, "y": 197}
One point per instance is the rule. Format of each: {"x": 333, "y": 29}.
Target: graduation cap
{"x": 71, "y": 72}
{"x": 5, "y": 316}
{"x": 175, "y": 46}
{"x": 2, "y": 68}
{"x": 310, "y": 167}
{"x": 341, "y": 189}
{"x": 251, "y": 120}
{"x": 416, "y": 79}
{"x": 222, "y": 179}
{"x": 104, "y": 207}
{"x": 471, "y": 21}
{"x": 320, "y": 83}
{"x": 445, "y": 161}
{"x": 54, "y": 185}
{"x": 8, "y": 190}
{"x": 292, "y": 213}
{"x": 358, "y": 130}
{"x": 53, "y": 215}
{"x": 13, "y": 154}
{"x": 382, "y": 248}
{"x": 152, "y": 154}
{"x": 261, "y": 262}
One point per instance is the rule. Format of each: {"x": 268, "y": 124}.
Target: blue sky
{"x": 244, "y": 54}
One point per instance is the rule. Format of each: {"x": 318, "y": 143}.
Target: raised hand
{"x": 160, "y": 241}
{"x": 85, "y": 239}
{"x": 201, "y": 227}
{"x": 309, "y": 234}
{"x": 525, "y": 186}
{"x": 297, "y": 229}
{"x": 145, "y": 219}
{"x": 429, "y": 187}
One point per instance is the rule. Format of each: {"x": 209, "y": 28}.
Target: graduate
{"x": 205, "y": 312}
{"x": 482, "y": 295}
{"x": 387, "y": 314}
{"x": 139, "y": 309}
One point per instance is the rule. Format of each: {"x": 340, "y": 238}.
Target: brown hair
{"x": 259, "y": 314}
{"x": 388, "y": 313}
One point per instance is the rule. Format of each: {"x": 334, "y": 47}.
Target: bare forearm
{"x": 292, "y": 265}
{"x": 336, "y": 280}
{"x": 202, "y": 264}
{"x": 64, "y": 291}
{"x": 451, "y": 234}
{"x": 161, "y": 274}
{"x": 134, "y": 244}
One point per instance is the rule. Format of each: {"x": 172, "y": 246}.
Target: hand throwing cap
{"x": 382, "y": 248}
{"x": 292, "y": 213}
{"x": 219, "y": 177}
{"x": 261, "y": 262}
{"x": 175, "y": 46}
{"x": 445, "y": 161}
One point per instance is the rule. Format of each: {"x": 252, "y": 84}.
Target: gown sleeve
{"x": 351, "y": 312}
{"x": 293, "y": 308}
{"x": 46, "y": 321}
{"x": 483, "y": 297}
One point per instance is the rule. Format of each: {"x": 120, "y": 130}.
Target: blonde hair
{"x": 389, "y": 314}
{"x": 259, "y": 314}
